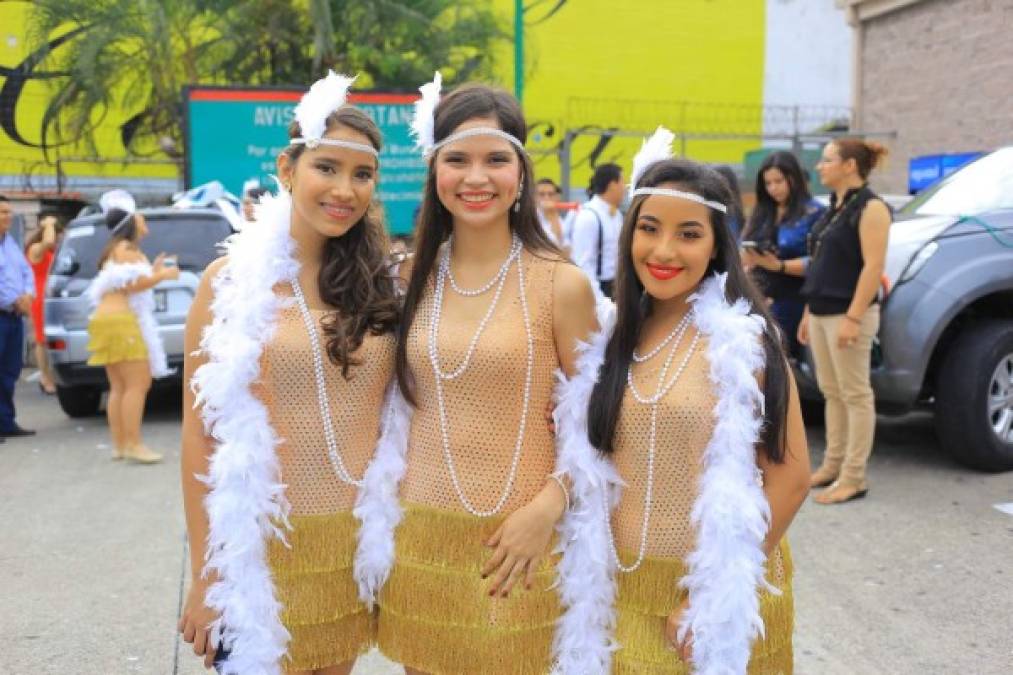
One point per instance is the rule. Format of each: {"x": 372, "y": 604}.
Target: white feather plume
{"x": 324, "y": 97}
{"x": 655, "y": 149}
{"x": 117, "y": 199}
{"x": 424, "y": 121}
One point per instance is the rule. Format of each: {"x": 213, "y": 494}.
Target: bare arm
{"x": 197, "y": 449}
{"x": 48, "y": 241}
{"x": 125, "y": 253}
{"x": 786, "y": 484}
{"x": 873, "y": 233}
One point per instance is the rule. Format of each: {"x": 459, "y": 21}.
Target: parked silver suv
{"x": 946, "y": 334}
{"x": 193, "y": 235}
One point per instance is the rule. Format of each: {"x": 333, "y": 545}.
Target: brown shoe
{"x": 839, "y": 494}
{"x": 822, "y": 477}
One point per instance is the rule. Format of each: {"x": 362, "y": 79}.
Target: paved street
{"x": 915, "y": 579}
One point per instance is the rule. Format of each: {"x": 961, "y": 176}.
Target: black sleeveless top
{"x": 836, "y": 254}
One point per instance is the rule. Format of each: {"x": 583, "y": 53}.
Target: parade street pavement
{"x": 915, "y": 579}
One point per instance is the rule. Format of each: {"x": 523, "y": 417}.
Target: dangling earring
{"x": 520, "y": 192}
{"x": 287, "y": 185}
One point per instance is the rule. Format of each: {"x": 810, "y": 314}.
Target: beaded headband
{"x": 424, "y": 122}
{"x": 323, "y": 98}
{"x": 658, "y": 148}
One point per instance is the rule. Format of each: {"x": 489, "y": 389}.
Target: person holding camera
{"x": 774, "y": 241}
{"x": 39, "y": 250}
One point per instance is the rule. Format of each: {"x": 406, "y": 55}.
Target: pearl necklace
{"x": 663, "y": 388}
{"x": 434, "y": 359}
{"x": 515, "y": 250}
{"x": 337, "y": 462}
{"x": 679, "y": 329}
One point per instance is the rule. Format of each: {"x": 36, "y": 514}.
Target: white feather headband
{"x": 324, "y": 97}
{"x": 424, "y": 122}
{"x": 655, "y": 149}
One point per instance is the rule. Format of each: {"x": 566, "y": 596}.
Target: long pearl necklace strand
{"x": 337, "y": 461}
{"x": 442, "y": 273}
{"x": 664, "y": 387}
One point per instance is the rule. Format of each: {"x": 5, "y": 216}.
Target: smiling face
{"x": 672, "y": 246}
{"x": 477, "y": 178}
{"x": 331, "y": 187}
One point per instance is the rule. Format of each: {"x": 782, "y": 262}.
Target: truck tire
{"x": 974, "y": 397}
{"x": 80, "y": 401}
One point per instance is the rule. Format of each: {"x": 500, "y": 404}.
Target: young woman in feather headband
{"x": 476, "y": 490}
{"x": 290, "y": 349}
{"x": 687, "y": 392}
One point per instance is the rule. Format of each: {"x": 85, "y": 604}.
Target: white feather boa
{"x": 114, "y": 276}
{"x": 583, "y": 642}
{"x": 731, "y": 514}
{"x": 246, "y": 503}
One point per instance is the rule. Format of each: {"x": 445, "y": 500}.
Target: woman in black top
{"x": 774, "y": 241}
{"x": 847, "y": 249}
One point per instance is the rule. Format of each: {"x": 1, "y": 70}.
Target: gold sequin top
{"x": 288, "y": 388}
{"x": 484, "y": 404}
{"x": 685, "y": 427}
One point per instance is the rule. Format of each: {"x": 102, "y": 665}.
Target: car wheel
{"x": 974, "y": 397}
{"x": 80, "y": 401}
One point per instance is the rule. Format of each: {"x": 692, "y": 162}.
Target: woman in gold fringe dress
{"x": 491, "y": 312}
{"x": 289, "y": 380}
{"x": 714, "y": 461}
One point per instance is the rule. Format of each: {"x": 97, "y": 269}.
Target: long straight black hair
{"x": 634, "y": 306}
{"x": 764, "y": 218}
{"x": 435, "y": 224}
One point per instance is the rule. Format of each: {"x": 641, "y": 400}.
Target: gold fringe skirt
{"x": 646, "y": 598}
{"x": 320, "y": 601}
{"x": 115, "y": 338}
{"x": 435, "y": 611}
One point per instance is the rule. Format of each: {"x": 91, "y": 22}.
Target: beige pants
{"x": 843, "y": 377}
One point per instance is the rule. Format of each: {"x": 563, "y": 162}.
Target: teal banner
{"x": 235, "y": 135}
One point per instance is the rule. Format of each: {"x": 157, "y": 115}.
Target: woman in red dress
{"x": 39, "y": 249}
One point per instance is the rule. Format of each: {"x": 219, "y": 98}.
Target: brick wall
{"x": 940, "y": 73}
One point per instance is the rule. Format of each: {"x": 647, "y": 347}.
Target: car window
{"x": 983, "y": 185}
{"x": 193, "y": 239}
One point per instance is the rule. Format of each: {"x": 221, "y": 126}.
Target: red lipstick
{"x": 663, "y": 272}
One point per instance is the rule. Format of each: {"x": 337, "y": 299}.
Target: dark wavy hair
{"x": 634, "y": 306}
{"x": 764, "y": 218}
{"x": 123, "y": 226}
{"x": 435, "y": 224}
{"x": 356, "y": 276}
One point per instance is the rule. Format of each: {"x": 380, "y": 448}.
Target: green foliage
{"x": 137, "y": 55}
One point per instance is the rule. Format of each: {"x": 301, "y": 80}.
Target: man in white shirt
{"x": 595, "y": 239}
{"x": 557, "y": 224}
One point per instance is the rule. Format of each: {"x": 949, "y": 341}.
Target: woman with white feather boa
{"x": 687, "y": 392}
{"x": 122, "y": 330}
{"x": 289, "y": 353}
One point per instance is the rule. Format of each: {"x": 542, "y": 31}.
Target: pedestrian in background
{"x": 557, "y": 224}
{"x": 39, "y": 248}
{"x": 736, "y": 214}
{"x": 122, "y": 331}
{"x": 774, "y": 241}
{"x": 847, "y": 247}
{"x": 17, "y": 290}
{"x": 596, "y": 228}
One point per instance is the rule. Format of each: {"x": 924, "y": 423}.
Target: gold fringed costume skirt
{"x": 435, "y": 611}
{"x": 115, "y": 338}
{"x": 320, "y": 600}
{"x": 647, "y": 596}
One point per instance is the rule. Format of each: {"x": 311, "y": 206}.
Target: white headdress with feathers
{"x": 117, "y": 199}
{"x": 323, "y": 98}
{"x": 655, "y": 149}
{"x": 424, "y": 120}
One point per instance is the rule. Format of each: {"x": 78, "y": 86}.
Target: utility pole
{"x": 519, "y": 50}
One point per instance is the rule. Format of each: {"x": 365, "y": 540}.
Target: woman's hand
{"x": 196, "y": 620}
{"x": 163, "y": 271}
{"x": 522, "y": 541}
{"x": 684, "y": 648}
{"x": 803, "y": 329}
{"x": 847, "y": 332}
